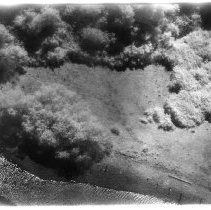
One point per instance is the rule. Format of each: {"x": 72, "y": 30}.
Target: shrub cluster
{"x": 189, "y": 108}
{"x": 54, "y": 126}
{"x": 162, "y": 119}
{"x": 199, "y": 41}
{"x": 189, "y": 59}
{"x": 5, "y": 36}
{"x": 79, "y": 17}
{"x": 12, "y": 56}
{"x": 136, "y": 57}
{"x": 94, "y": 40}
{"x": 179, "y": 54}
{"x": 32, "y": 27}
{"x": 54, "y": 50}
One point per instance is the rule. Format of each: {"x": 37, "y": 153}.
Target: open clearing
{"x": 144, "y": 158}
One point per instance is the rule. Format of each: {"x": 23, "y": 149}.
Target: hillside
{"x": 118, "y": 103}
{"x": 110, "y": 101}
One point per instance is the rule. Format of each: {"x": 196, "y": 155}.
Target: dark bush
{"x": 162, "y": 58}
{"x": 94, "y": 40}
{"x": 147, "y": 19}
{"x": 205, "y": 12}
{"x": 47, "y": 22}
{"x": 175, "y": 88}
{"x": 12, "y": 60}
{"x": 79, "y": 17}
{"x": 118, "y": 20}
{"x": 53, "y": 126}
{"x": 179, "y": 21}
{"x": 54, "y": 50}
{"x": 137, "y": 57}
{"x": 187, "y": 24}
{"x": 32, "y": 27}
{"x": 10, "y": 127}
{"x": 5, "y": 36}
{"x": 115, "y": 131}
{"x": 12, "y": 56}
{"x": 80, "y": 57}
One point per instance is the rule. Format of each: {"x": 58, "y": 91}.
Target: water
{"x": 82, "y": 193}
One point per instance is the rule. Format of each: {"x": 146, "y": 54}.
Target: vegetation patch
{"x": 189, "y": 101}
{"x": 12, "y": 56}
{"x": 179, "y": 54}
{"x": 158, "y": 116}
{"x": 199, "y": 41}
{"x": 54, "y": 126}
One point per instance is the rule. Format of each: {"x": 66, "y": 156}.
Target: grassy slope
{"x": 143, "y": 156}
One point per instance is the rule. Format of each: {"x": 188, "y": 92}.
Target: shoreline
{"x": 139, "y": 179}
{"x": 23, "y": 188}
{"x": 149, "y": 181}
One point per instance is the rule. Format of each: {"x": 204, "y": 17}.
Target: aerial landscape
{"x": 105, "y": 104}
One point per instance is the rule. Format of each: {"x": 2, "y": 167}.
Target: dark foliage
{"x": 79, "y": 17}
{"x": 33, "y": 27}
{"x": 53, "y": 127}
{"x": 205, "y": 12}
{"x": 99, "y": 35}
{"x": 115, "y": 131}
{"x": 94, "y": 40}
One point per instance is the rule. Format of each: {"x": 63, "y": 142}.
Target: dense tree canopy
{"x": 98, "y": 35}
